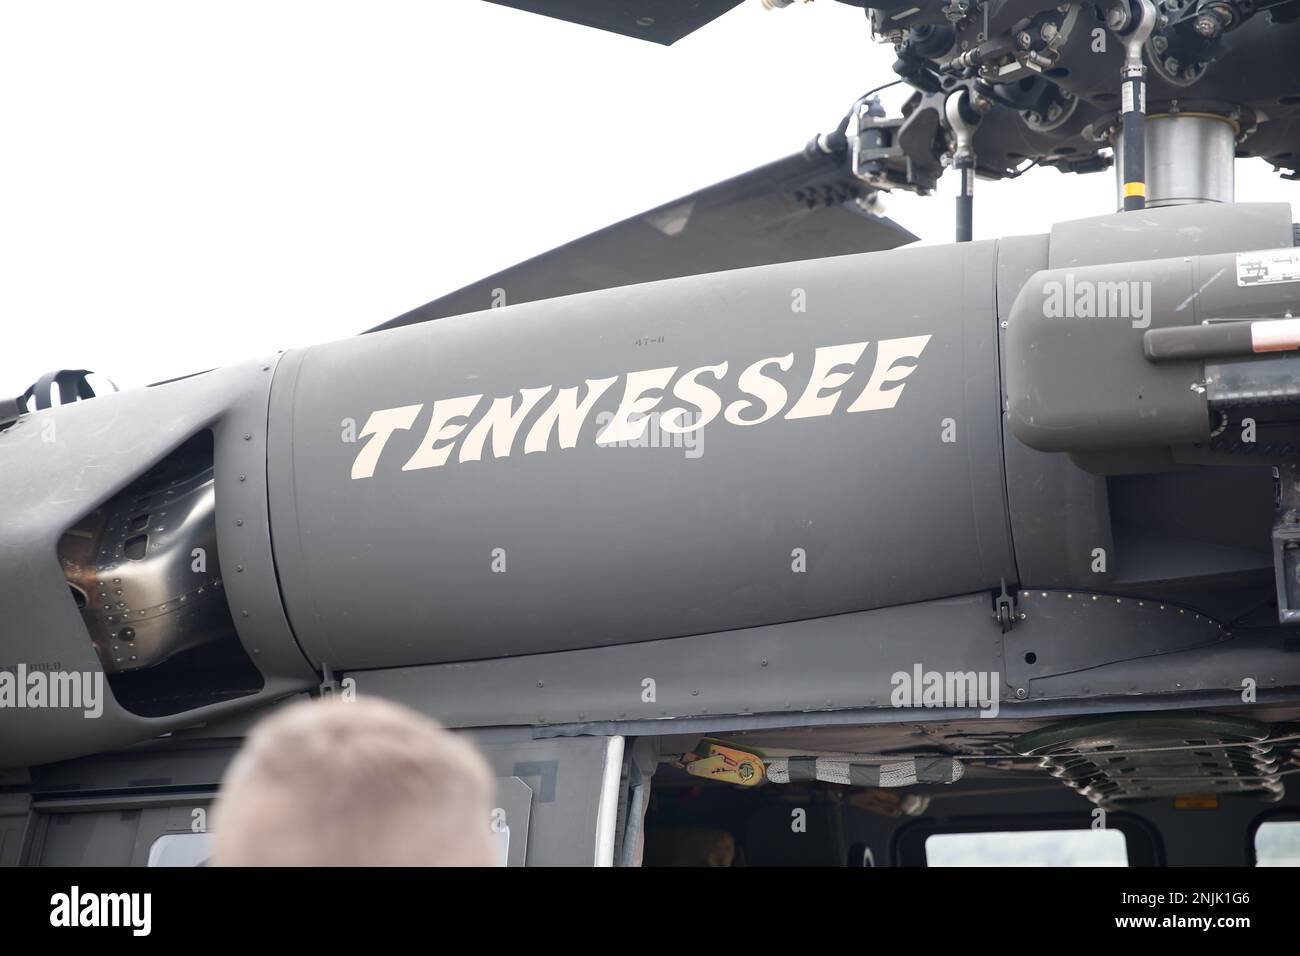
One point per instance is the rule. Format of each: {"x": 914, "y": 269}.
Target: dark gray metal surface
{"x": 940, "y": 723}
{"x": 1058, "y": 511}
{"x": 609, "y": 545}
{"x": 627, "y": 563}
{"x": 660, "y": 21}
{"x": 58, "y": 464}
{"x": 567, "y": 778}
{"x": 1085, "y": 382}
{"x": 824, "y": 664}
{"x": 1068, "y": 645}
{"x": 799, "y": 207}
{"x": 1198, "y": 230}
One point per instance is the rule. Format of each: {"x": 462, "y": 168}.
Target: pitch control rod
{"x": 962, "y": 118}
{"x": 1134, "y": 94}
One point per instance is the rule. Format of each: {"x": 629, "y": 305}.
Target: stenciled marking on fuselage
{"x": 450, "y": 418}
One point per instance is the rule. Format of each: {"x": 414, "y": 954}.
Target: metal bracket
{"x": 1005, "y": 610}
{"x": 328, "y": 685}
{"x": 714, "y": 760}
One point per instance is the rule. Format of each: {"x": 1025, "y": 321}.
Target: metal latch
{"x": 328, "y": 685}
{"x": 1004, "y": 608}
{"x": 717, "y": 761}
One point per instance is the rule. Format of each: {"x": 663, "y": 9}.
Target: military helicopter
{"x": 739, "y": 531}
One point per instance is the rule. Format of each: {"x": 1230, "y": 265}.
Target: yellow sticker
{"x": 1197, "y": 801}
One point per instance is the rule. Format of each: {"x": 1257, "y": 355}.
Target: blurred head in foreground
{"x": 367, "y": 783}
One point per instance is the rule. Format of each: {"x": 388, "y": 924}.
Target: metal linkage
{"x": 958, "y": 110}
{"x": 1134, "y": 95}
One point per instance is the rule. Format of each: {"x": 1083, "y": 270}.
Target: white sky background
{"x": 184, "y": 185}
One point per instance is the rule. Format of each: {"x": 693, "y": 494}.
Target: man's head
{"x": 367, "y": 783}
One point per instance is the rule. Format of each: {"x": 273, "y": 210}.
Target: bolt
{"x": 1021, "y": 693}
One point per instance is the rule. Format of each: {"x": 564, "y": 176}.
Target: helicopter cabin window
{"x": 1277, "y": 843}
{"x": 180, "y": 849}
{"x": 1085, "y": 847}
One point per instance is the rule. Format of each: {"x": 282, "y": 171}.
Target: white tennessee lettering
{"x": 541, "y": 412}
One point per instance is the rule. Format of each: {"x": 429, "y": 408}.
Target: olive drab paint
{"x": 523, "y": 428}
{"x": 854, "y": 509}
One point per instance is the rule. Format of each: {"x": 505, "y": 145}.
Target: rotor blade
{"x": 660, "y": 21}
{"x": 801, "y": 207}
